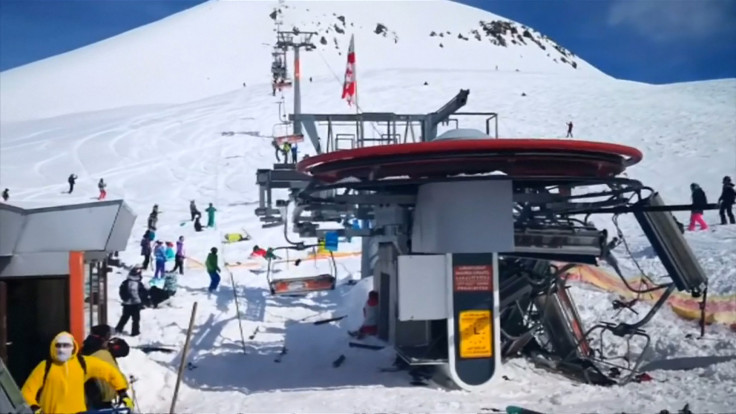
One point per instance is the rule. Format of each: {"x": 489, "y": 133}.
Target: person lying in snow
{"x": 370, "y": 317}
{"x": 197, "y": 223}
{"x": 163, "y": 289}
{"x": 266, "y": 254}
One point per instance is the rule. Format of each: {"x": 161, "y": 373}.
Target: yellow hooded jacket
{"x": 63, "y": 392}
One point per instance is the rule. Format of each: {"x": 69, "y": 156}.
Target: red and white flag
{"x": 350, "y": 86}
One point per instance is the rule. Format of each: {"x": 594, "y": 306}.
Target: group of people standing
{"x": 700, "y": 203}
{"x": 285, "y": 149}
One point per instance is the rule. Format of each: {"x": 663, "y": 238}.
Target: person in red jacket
{"x": 370, "y": 317}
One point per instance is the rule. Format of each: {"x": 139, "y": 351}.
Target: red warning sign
{"x": 473, "y": 278}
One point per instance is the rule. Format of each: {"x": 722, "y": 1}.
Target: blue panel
{"x": 331, "y": 241}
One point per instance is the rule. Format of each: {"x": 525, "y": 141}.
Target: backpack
{"x": 123, "y": 291}
{"x": 49, "y": 361}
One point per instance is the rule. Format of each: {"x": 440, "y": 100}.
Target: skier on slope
{"x": 72, "y": 180}
{"x": 6, "y": 194}
{"x": 101, "y": 185}
{"x": 193, "y": 209}
{"x": 726, "y": 201}
{"x": 134, "y": 296}
{"x": 159, "y": 253}
{"x": 700, "y": 202}
{"x": 153, "y": 218}
{"x": 210, "y": 215}
{"x": 179, "y": 257}
{"x": 146, "y": 248}
{"x": 569, "y": 130}
{"x": 213, "y": 269}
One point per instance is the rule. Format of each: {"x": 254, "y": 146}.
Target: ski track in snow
{"x": 170, "y": 155}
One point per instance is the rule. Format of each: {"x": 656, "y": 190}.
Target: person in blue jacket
{"x": 159, "y": 253}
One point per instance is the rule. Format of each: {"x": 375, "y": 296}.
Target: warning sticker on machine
{"x": 476, "y": 278}
{"x": 476, "y": 340}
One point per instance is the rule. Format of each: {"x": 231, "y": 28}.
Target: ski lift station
{"x": 53, "y": 275}
{"x": 468, "y": 236}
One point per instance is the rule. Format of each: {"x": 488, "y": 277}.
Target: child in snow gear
{"x": 159, "y": 292}
{"x": 134, "y": 296}
{"x": 72, "y": 180}
{"x": 159, "y": 253}
{"x": 56, "y": 385}
{"x": 170, "y": 254}
{"x": 179, "y": 257}
{"x": 99, "y": 344}
{"x": 197, "y": 223}
{"x": 6, "y": 194}
{"x": 210, "y": 215}
{"x": 213, "y": 269}
{"x": 569, "y": 130}
{"x": 725, "y": 201}
{"x": 146, "y": 248}
{"x": 101, "y": 186}
{"x": 700, "y": 202}
{"x": 193, "y": 210}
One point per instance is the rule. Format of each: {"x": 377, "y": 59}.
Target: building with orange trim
{"x": 53, "y": 274}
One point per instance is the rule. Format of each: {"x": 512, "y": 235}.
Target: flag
{"x": 350, "y": 86}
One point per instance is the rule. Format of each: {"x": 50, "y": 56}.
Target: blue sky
{"x": 655, "y": 41}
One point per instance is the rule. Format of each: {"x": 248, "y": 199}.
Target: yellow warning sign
{"x": 476, "y": 340}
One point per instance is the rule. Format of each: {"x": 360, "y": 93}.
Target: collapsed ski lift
{"x": 302, "y": 285}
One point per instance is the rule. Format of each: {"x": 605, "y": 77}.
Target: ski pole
{"x": 132, "y": 389}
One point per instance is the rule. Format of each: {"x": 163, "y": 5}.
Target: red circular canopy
{"x": 514, "y": 157}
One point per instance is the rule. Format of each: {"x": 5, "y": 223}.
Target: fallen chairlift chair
{"x": 301, "y": 285}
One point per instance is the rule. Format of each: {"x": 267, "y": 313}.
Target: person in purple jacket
{"x": 180, "y": 255}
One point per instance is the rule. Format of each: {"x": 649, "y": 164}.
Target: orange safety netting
{"x": 718, "y": 309}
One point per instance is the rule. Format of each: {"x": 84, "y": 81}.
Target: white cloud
{"x": 663, "y": 20}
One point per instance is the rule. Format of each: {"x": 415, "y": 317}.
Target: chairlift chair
{"x": 303, "y": 285}
{"x": 283, "y": 132}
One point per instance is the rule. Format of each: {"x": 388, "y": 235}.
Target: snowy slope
{"x": 172, "y": 154}
{"x": 168, "y": 154}
{"x": 215, "y": 47}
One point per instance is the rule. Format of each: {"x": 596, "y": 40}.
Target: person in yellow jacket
{"x": 56, "y": 385}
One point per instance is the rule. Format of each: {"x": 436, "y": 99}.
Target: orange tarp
{"x": 718, "y": 309}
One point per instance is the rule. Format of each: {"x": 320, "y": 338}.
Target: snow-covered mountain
{"x": 146, "y": 111}
{"x": 215, "y": 47}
